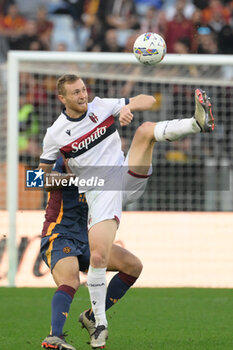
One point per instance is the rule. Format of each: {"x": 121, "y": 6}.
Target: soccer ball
{"x": 149, "y": 48}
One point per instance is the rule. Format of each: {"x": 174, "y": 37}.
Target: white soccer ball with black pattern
{"x": 149, "y": 48}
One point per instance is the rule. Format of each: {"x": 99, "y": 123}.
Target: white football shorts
{"x": 103, "y": 205}
{"x": 107, "y": 204}
{"x": 134, "y": 184}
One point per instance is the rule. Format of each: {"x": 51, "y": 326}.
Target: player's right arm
{"x": 46, "y": 167}
{"x": 49, "y": 156}
{"x": 50, "y": 153}
{"x": 53, "y": 178}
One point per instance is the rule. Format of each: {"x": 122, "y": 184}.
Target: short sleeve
{"x": 50, "y": 149}
{"x": 115, "y": 104}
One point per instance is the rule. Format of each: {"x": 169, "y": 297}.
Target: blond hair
{"x": 65, "y": 78}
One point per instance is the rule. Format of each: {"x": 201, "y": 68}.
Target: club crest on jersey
{"x": 93, "y": 117}
{"x": 67, "y": 250}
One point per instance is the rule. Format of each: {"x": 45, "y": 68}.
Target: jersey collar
{"x": 74, "y": 119}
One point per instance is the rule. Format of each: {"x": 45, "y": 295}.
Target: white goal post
{"x": 44, "y": 59}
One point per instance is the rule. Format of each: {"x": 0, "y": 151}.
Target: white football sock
{"x": 97, "y": 286}
{"x": 171, "y": 130}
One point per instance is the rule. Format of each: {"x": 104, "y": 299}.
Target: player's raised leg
{"x": 202, "y": 121}
{"x": 140, "y": 153}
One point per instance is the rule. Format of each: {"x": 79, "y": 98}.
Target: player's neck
{"x": 73, "y": 114}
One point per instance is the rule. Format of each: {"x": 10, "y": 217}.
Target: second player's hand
{"x": 125, "y": 116}
{"x": 65, "y": 160}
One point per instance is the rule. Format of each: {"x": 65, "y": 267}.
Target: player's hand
{"x": 125, "y": 116}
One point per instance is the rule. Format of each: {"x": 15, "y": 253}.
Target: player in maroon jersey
{"x": 65, "y": 250}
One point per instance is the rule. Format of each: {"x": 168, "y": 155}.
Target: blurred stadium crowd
{"x": 188, "y": 26}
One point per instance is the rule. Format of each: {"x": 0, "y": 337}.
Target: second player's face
{"x": 76, "y": 98}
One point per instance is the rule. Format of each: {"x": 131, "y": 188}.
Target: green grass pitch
{"x": 145, "y": 319}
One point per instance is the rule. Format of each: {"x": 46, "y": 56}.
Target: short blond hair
{"x": 65, "y": 78}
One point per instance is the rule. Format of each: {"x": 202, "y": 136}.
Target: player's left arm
{"x": 137, "y": 103}
{"x": 141, "y": 102}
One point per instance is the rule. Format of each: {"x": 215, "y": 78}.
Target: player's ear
{"x": 61, "y": 98}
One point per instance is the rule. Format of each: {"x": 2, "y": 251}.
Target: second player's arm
{"x": 50, "y": 184}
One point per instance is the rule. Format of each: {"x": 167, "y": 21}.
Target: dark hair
{"x": 65, "y": 78}
{"x": 186, "y": 42}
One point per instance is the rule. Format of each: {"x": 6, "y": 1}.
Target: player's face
{"x": 76, "y": 97}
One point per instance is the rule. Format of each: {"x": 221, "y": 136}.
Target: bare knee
{"x": 75, "y": 283}
{"x": 71, "y": 282}
{"x": 70, "y": 279}
{"x": 137, "y": 267}
{"x": 146, "y": 131}
{"x": 133, "y": 267}
{"x": 98, "y": 259}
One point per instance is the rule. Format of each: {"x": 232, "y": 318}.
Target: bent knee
{"x": 138, "y": 267}
{"x": 76, "y": 284}
{"x": 71, "y": 280}
{"x": 146, "y": 131}
{"x": 133, "y": 267}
